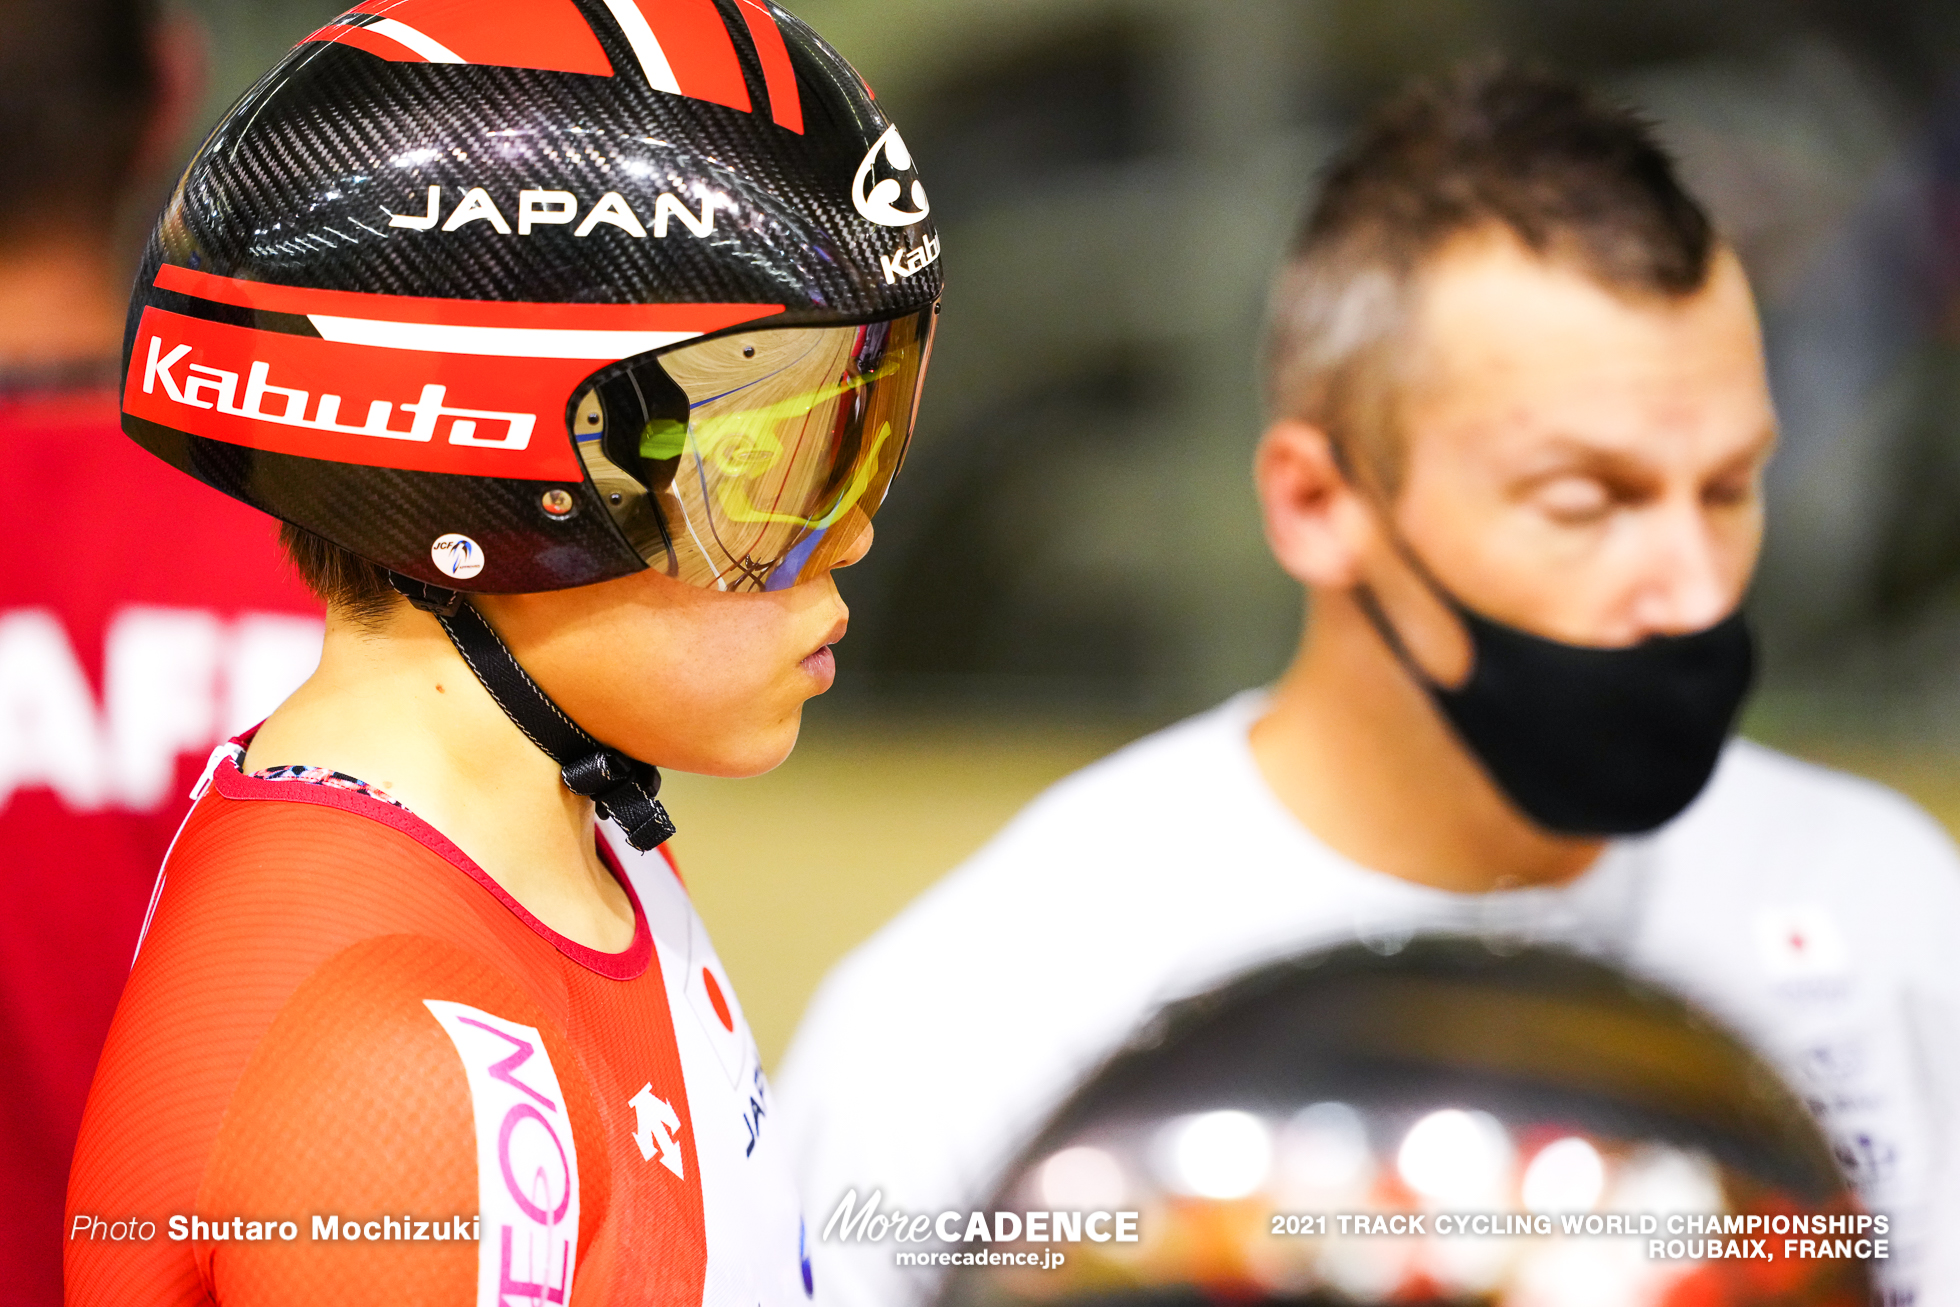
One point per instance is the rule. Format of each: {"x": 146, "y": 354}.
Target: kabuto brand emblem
{"x": 526, "y": 1159}
{"x": 543, "y": 208}
{"x": 457, "y": 555}
{"x": 877, "y": 202}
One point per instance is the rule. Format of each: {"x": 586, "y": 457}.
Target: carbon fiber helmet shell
{"x": 402, "y": 189}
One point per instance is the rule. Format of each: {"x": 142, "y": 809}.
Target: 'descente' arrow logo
{"x": 877, "y": 202}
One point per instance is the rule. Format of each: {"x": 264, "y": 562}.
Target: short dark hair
{"x": 77, "y": 81}
{"x": 355, "y": 588}
{"x": 1491, "y": 145}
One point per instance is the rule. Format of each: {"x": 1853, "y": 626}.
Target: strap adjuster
{"x": 428, "y": 598}
{"x": 599, "y": 772}
{"x": 623, "y": 791}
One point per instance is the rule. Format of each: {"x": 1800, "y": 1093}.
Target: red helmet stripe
{"x": 778, "y": 74}
{"x": 697, "y": 48}
{"x": 544, "y": 34}
{"x": 306, "y": 301}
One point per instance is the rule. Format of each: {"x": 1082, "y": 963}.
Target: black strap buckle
{"x": 622, "y": 791}
{"x": 598, "y": 773}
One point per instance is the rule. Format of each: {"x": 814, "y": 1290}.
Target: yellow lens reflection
{"x": 745, "y": 443}
{"x": 792, "y": 439}
{"x": 734, "y": 496}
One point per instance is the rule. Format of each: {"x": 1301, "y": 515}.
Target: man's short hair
{"x": 1491, "y": 146}
{"x": 77, "y": 83}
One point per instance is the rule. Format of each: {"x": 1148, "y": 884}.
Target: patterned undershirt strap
{"x": 328, "y": 777}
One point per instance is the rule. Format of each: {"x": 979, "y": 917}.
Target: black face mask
{"x": 1589, "y": 741}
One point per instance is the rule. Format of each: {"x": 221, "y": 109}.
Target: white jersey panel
{"x": 748, "y": 1201}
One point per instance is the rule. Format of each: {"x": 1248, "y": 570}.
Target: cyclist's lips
{"x": 820, "y": 662}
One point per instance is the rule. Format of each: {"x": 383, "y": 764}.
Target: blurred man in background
{"x": 118, "y": 670}
{"x": 1519, "y": 423}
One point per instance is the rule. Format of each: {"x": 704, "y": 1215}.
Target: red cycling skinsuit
{"x": 342, "y": 1041}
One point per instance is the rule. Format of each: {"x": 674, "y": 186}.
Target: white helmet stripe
{"x": 653, "y": 59}
{"x": 515, "y": 342}
{"x": 426, "y": 46}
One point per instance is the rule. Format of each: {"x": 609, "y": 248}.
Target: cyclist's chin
{"x": 740, "y": 742}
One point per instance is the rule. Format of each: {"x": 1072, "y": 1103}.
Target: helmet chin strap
{"x": 621, "y": 788}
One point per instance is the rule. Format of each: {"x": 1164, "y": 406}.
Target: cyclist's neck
{"x": 396, "y": 706}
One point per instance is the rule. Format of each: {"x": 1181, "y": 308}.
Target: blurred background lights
{"x": 1082, "y": 1179}
{"x": 1592, "y": 1273}
{"x": 1453, "y": 1156}
{"x": 1467, "y": 1266}
{"x": 1217, "y": 1154}
{"x": 1566, "y": 1176}
{"x": 1662, "y": 1179}
{"x": 1367, "y": 1268}
{"x": 1325, "y": 1148}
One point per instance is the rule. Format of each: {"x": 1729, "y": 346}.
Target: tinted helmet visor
{"x": 754, "y": 460}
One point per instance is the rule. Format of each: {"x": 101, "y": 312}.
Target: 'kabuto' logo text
{"x": 199, "y": 386}
{"x": 537, "y": 208}
{"x": 906, "y": 263}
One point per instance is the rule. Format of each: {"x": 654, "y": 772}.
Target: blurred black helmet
{"x": 517, "y": 295}
{"x": 1553, "y": 1113}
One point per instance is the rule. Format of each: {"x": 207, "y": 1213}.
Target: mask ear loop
{"x": 1364, "y": 598}
{"x": 1364, "y": 594}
